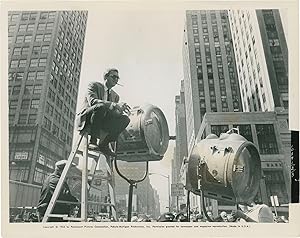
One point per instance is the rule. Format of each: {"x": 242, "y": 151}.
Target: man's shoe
{"x": 94, "y": 147}
{"x": 106, "y": 150}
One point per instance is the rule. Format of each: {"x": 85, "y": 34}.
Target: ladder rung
{"x": 73, "y": 219}
{"x": 58, "y": 215}
{"x": 66, "y": 202}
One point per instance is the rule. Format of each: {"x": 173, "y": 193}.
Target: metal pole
{"x": 169, "y": 193}
{"x": 84, "y": 176}
{"x": 130, "y": 202}
{"x": 275, "y": 210}
{"x": 177, "y": 203}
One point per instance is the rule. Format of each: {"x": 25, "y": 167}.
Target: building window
{"x": 37, "y": 89}
{"x": 14, "y": 64}
{"x": 16, "y": 90}
{"x": 40, "y": 75}
{"x": 36, "y": 50}
{"x": 39, "y": 38}
{"x": 51, "y": 15}
{"x": 47, "y": 123}
{"x": 17, "y": 51}
{"x": 47, "y": 37}
{"x": 59, "y": 103}
{"x": 49, "y": 26}
{"x": 55, "y": 130}
{"x": 11, "y": 118}
{"x": 245, "y": 131}
{"x": 34, "y": 62}
{"x": 11, "y": 28}
{"x": 22, "y": 119}
{"x": 32, "y": 118}
{"x": 28, "y": 38}
{"x": 49, "y": 109}
{"x": 28, "y": 89}
{"x": 53, "y": 81}
{"x": 30, "y": 27}
{"x": 19, "y": 39}
{"x": 25, "y": 104}
{"x": 19, "y": 173}
{"x": 42, "y": 62}
{"x": 22, "y": 27}
{"x": 218, "y": 129}
{"x": 275, "y": 184}
{"x": 22, "y": 63}
{"x": 51, "y": 95}
{"x": 14, "y": 17}
{"x": 25, "y": 50}
{"x": 31, "y": 75}
{"x": 35, "y": 103}
{"x": 41, "y": 26}
{"x": 206, "y": 39}
{"x": 266, "y": 139}
{"x": 13, "y": 104}
{"x": 39, "y": 176}
{"x": 45, "y": 49}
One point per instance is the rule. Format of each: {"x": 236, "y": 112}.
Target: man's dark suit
{"x": 46, "y": 195}
{"x": 96, "y": 112}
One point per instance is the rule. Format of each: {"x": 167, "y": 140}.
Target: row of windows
{"x": 18, "y": 51}
{"x": 27, "y": 119}
{"x": 59, "y": 103}
{"x": 43, "y": 160}
{"x": 28, "y": 90}
{"x": 20, "y": 173}
{"x": 33, "y": 104}
{"x": 38, "y": 38}
{"x": 31, "y": 16}
{"x": 33, "y": 63}
{"x": 47, "y": 125}
{"x": 32, "y": 75}
{"x": 40, "y": 175}
{"x": 265, "y": 135}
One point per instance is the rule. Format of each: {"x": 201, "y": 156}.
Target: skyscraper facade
{"x": 181, "y": 141}
{"x": 210, "y": 76}
{"x": 261, "y": 54}
{"x": 45, "y": 55}
{"x": 262, "y": 58}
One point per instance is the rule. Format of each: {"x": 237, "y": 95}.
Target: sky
{"x": 146, "y": 47}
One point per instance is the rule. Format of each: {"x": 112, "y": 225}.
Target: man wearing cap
{"x": 103, "y": 111}
{"x": 48, "y": 190}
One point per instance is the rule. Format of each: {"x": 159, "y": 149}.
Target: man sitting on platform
{"x": 103, "y": 111}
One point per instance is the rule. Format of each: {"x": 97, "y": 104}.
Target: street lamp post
{"x": 169, "y": 193}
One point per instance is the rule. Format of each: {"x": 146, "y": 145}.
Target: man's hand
{"x": 123, "y": 107}
{"x": 238, "y": 214}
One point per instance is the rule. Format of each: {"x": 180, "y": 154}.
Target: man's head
{"x": 111, "y": 77}
{"x": 60, "y": 165}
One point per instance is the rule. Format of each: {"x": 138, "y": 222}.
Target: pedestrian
{"x": 102, "y": 111}
{"x": 47, "y": 191}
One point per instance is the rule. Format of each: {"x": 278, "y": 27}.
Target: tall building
{"x": 262, "y": 58}
{"x": 45, "y": 55}
{"x": 261, "y": 54}
{"x": 181, "y": 140}
{"x": 210, "y": 76}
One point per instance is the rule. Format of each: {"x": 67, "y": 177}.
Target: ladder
{"x": 86, "y": 180}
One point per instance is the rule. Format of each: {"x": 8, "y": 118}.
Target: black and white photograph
{"x": 125, "y": 114}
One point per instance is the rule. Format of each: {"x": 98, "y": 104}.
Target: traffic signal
{"x": 146, "y": 138}
{"x": 225, "y": 168}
